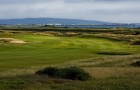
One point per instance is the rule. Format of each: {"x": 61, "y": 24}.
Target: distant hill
{"x": 49, "y": 21}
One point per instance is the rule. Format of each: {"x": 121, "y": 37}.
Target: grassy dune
{"x": 107, "y": 60}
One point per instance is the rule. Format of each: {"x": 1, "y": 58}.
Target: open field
{"x": 106, "y": 57}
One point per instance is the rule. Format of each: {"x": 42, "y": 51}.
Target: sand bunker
{"x": 12, "y": 40}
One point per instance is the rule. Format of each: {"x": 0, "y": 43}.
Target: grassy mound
{"x": 72, "y": 73}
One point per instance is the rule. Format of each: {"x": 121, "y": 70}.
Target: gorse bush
{"x": 135, "y": 42}
{"x": 136, "y": 64}
{"x": 73, "y": 73}
{"x": 50, "y": 71}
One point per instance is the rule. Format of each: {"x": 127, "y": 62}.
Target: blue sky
{"x": 123, "y": 11}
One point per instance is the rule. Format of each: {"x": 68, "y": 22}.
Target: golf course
{"x": 109, "y": 59}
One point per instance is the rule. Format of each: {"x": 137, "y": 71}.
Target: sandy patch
{"x": 12, "y": 40}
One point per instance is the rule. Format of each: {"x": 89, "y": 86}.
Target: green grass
{"x": 108, "y": 61}
{"x": 46, "y": 50}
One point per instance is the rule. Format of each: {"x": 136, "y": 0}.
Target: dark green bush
{"x": 135, "y": 42}
{"x": 50, "y": 71}
{"x": 73, "y": 73}
{"x": 136, "y": 64}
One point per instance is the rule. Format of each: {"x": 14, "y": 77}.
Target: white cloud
{"x": 103, "y": 10}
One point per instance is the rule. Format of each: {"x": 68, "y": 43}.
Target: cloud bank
{"x": 123, "y": 11}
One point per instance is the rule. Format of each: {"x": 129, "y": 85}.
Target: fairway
{"x": 49, "y": 50}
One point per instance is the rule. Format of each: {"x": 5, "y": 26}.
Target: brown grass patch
{"x": 106, "y": 72}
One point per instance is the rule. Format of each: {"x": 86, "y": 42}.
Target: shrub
{"x": 136, "y": 64}
{"x": 73, "y": 73}
{"x": 50, "y": 71}
{"x": 135, "y": 42}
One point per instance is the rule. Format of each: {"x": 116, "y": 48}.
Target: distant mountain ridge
{"x": 50, "y": 21}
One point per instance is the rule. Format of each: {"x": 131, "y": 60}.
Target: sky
{"x": 116, "y": 11}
